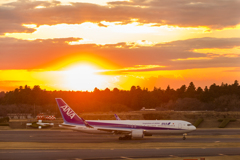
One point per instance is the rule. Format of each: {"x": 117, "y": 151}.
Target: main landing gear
{"x": 184, "y": 136}
{"x": 126, "y": 137}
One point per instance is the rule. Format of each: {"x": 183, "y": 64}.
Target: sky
{"x": 83, "y": 44}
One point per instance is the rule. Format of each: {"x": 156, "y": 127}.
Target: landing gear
{"x": 126, "y": 137}
{"x": 184, "y": 136}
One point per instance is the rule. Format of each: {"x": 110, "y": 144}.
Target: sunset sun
{"x": 82, "y": 77}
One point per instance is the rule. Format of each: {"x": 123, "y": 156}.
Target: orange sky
{"x": 80, "y": 45}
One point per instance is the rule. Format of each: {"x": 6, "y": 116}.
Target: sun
{"x": 82, "y": 77}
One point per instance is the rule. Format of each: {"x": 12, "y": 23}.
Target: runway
{"x": 216, "y": 131}
{"x": 65, "y": 144}
{"x": 104, "y": 154}
{"x": 68, "y": 136}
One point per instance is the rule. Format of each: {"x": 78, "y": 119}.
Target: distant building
{"x": 19, "y": 115}
{"x": 42, "y": 116}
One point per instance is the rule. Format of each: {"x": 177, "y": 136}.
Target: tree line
{"x": 224, "y": 97}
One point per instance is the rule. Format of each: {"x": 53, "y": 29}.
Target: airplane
{"x": 40, "y": 124}
{"x": 130, "y": 129}
{"x": 44, "y": 124}
{"x": 116, "y": 116}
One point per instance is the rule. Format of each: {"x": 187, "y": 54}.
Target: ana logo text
{"x": 68, "y": 111}
{"x": 165, "y": 123}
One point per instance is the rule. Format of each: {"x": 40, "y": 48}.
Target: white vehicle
{"x": 44, "y": 124}
{"x": 130, "y": 129}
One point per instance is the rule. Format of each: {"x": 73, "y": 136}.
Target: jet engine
{"x": 137, "y": 134}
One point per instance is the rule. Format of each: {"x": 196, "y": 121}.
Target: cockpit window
{"x": 189, "y": 125}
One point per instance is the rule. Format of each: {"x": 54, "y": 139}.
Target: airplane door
{"x": 179, "y": 125}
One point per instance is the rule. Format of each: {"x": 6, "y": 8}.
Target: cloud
{"x": 207, "y": 42}
{"x": 213, "y": 14}
{"x": 36, "y": 54}
{"x": 23, "y": 54}
{"x": 234, "y": 70}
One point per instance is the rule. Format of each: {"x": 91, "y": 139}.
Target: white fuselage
{"x": 153, "y": 127}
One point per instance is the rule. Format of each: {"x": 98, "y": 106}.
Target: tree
{"x": 205, "y": 96}
{"x": 115, "y": 90}
{"x": 133, "y": 89}
{"x": 199, "y": 92}
{"x": 190, "y": 92}
{"x": 96, "y": 90}
{"x": 235, "y": 88}
{"x": 2, "y": 94}
{"x": 181, "y": 91}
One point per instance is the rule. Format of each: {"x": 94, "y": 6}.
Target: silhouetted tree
{"x": 190, "y": 92}
{"x": 223, "y": 97}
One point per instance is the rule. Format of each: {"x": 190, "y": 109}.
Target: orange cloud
{"x": 40, "y": 54}
{"x": 212, "y": 14}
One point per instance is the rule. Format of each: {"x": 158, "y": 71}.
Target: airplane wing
{"x": 115, "y": 130}
{"x": 112, "y": 130}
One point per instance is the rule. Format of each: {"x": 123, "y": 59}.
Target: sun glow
{"x": 82, "y": 77}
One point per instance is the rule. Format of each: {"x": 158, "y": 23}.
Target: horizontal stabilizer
{"x": 86, "y": 123}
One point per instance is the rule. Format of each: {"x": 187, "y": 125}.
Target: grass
{"x": 198, "y": 122}
{"x": 4, "y": 120}
{"x": 225, "y": 122}
{"x": 198, "y": 158}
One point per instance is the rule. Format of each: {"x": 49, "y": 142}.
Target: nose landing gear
{"x": 184, "y": 136}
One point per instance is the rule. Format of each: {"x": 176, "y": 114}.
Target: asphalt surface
{"x": 114, "y": 154}
{"x": 68, "y": 136}
{"x": 65, "y": 136}
{"x": 219, "y": 131}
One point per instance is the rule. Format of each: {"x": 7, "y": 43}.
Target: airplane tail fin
{"x": 116, "y": 116}
{"x": 68, "y": 115}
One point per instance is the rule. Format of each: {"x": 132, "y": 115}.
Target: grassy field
{"x": 223, "y": 157}
{"x": 210, "y": 118}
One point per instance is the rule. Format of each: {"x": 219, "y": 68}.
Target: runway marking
{"x": 125, "y": 158}
{"x": 74, "y": 159}
{"x": 173, "y": 156}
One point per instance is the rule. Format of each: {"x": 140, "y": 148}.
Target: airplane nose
{"x": 194, "y": 128}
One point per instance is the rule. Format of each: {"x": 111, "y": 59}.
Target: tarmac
{"x": 66, "y": 144}
{"x": 104, "y": 154}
